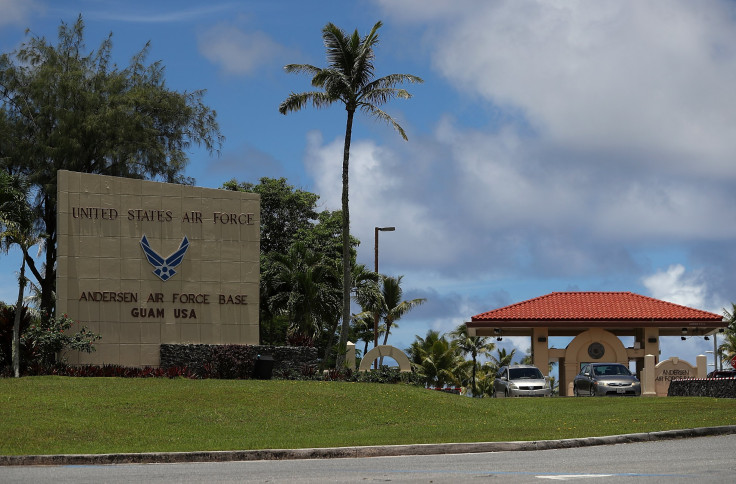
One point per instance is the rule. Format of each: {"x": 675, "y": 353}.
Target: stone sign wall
{"x": 671, "y": 369}
{"x": 144, "y": 263}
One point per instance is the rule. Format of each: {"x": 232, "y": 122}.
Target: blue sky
{"x": 554, "y": 146}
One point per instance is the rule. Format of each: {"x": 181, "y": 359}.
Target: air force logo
{"x": 164, "y": 268}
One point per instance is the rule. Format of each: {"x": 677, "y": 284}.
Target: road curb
{"x": 363, "y": 451}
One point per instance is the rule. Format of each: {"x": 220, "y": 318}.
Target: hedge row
{"x": 710, "y": 387}
{"x": 238, "y": 361}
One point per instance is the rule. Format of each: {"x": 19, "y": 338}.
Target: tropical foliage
{"x": 43, "y": 341}
{"x": 475, "y": 346}
{"x": 305, "y": 286}
{"x": 393, "y": 308}
{"x": 437, "y": 360}
{"x": 301, "y": 262}
{"x": 727, "y": 349}
{"x": 17, "y": 228}
{"x": 349, "y": 79}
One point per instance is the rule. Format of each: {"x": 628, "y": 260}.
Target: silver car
{"x": 605, "y": 379}
{"x": 521, "y": 381}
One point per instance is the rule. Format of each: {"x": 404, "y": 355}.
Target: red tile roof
{"x": 596, "y": 306}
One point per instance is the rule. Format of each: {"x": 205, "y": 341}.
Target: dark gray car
{"x": 605, "y": 379}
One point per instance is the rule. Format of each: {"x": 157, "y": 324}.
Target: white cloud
{"x": 239, "y": 52}
{"x": 675, "y": 286}
{"x": 652, "y": 77}
{"x": 15, "y": 12}
{"x": 379, "y": 196}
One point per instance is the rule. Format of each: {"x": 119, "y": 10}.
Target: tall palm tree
{"x": 363, "y": 327}
{"x": 16, "y": 228}
{"x": 349, "y": 79}
{"x": 727, "y": 349}
{"x": 502, "y": 358}
{"x": 364, "y": 288}
{"x": 474, "y": 346}
{"x": 394, "y": 308}
{"x": 730, "y": 317}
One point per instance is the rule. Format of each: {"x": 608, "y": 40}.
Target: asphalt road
{"x": 701, "y": 459}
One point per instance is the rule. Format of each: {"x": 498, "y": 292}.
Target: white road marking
{"x": 567, "y": 477}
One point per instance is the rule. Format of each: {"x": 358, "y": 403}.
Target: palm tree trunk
{"x": 385, "y": 340}
{"x": 328, "y": 350}
{"x": 346, "y": 279}
{"x": 474, "y": 366}
{"x": 16, "y": 323}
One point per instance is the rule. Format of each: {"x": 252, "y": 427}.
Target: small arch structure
{"x": 388, "y": 352}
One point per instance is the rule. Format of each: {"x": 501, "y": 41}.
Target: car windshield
{"x": 525, "y": 374}
{"x": 604, "y": 370}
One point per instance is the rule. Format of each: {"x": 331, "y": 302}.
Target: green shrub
{"x": 386, "y": 374}
{"x": 46, "y": 338}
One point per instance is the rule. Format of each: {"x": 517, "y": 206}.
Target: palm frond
{"x": 296, "y": 101}
{"x": 302, "y": 69}
{"x": 392, "y": 80}
{"x": 383, "y": 116}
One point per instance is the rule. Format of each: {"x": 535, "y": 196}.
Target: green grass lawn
{"x": 54, "y": 415}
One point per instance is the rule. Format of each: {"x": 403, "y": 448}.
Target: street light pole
{"x": 375, "y": 315}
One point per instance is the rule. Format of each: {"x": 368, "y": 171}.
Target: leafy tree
{"x": 64, "y": 107}
{"x": 326, "y": 236}
{"x": 285, "y": 211}
{"x": 474, "y": 346}
{"x": 288, "y": 216}
{"x": 349, "y": 79}
{"x": 16, "y": 228}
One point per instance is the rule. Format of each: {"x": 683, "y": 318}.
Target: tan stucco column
{"x": 540, "y": 349}
{"x": 350, "y": 355}
{"x": 651, "y": 348}
{"x": 701, "y": 362}
{"x": 647, "y": 377}
{"x": 571, "y": 369}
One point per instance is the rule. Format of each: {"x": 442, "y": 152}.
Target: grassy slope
{"x": 50, "y": 415}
